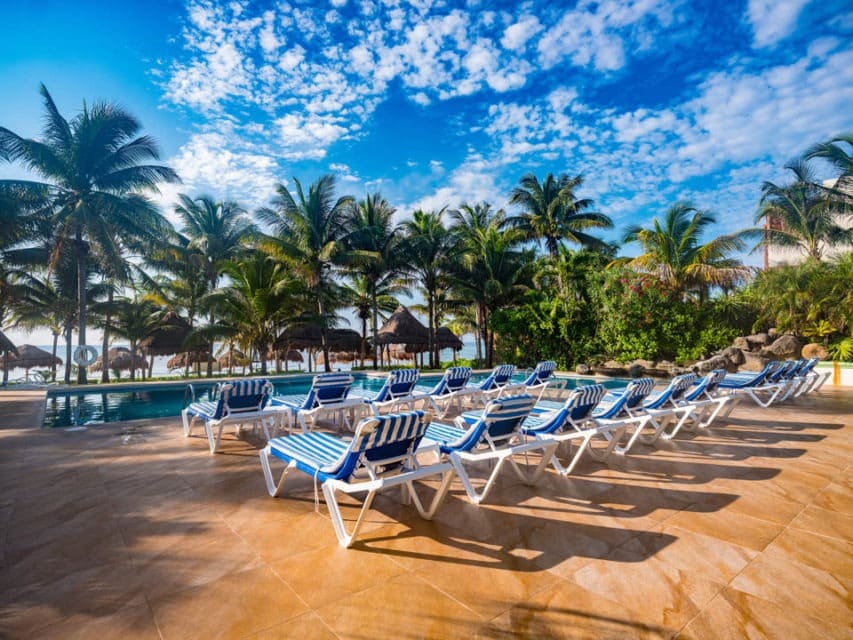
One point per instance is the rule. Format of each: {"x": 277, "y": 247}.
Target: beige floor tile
{"x": 306, "y": 627}
{"x": 331, "y": 572}
{"x": 405, "y": 606}
{"x": 827, "y": 523}
{"x": 753, "y": 533}
{"x": 828, "y": 554}
{"x": 734, "y": 615}
{"x": 796, "y": 588}
{"x": 233, "y": 606}
{"x": 129, "y": 623}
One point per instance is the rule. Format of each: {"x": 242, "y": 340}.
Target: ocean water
{"x": 161, "y": 370}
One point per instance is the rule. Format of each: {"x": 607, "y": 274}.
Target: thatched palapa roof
{"x": 7, "y": 345}
{"x": 402, "y": 328}
{"x": 307, "y": 336}
{"x": 168, "y": 338}
{"x": 119, "y": 359}
{"x": 180, "y": 361}
{"x": 446, "y": 339}
{"x": 30, "y": 356}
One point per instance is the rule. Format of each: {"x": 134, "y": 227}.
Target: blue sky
{"x": 436, "y": 103}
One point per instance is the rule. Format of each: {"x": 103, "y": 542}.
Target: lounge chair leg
{"x": 273, "y": 488}
{"x": 688, "y": 412}
{"x": 437, "y": 499}
{"x": 473, "y": 496}
{"x": 583, "y": 446}
{"x": 641, "y": 422}
{"x": 345, "y": 538}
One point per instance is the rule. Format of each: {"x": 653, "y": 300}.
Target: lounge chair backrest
{"x": 782, "y": 372}
{"x": 498, "y": 378}
{"x": 328, "y": 388}
{"x": 583, "y": 400}
{"x": 638, "y": 390}
{"x": 242, "y": 396}
{"x": 400, "y": 383}
{"x": 541, "y": 373}
{"x": 674, "y": 391}
{"x": 706, "y": 385}
{"x": 809, "y": 365}
{"x": 501, "y": 420}
{"x": 390, "y": 438}
{"x": 454, "y": 379}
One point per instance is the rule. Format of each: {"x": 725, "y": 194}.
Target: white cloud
{"x": 519, "y": 33}
{"x": 773, "y": 20}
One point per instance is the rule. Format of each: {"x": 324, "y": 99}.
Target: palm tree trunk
{"x": 375, "y": 327}
{"x": 53, "y": 353}
{"x": 323, "y": 342}
{"x": 133, "y": 359}
{"x": 150, "y": 366}
{"x": 6, "y": 368}
{"x": 81, "y": 301}
{"x": 105, "y": 343}
{"x": 210, "y": 360}
{"x": 431, "y": 329}
{"x": 262, "y": 352}
{"x": 364, "y": 340}
{"x": 68, "y": 329}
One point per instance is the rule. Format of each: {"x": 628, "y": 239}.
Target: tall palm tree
{"x": 376, "y": 252}
{"x": 492, "y": 271}
{"x": 802, "y": 215}
{"x": 673, "y": 251}
{"x": 365, "y": 298}
{"x": 429, "y": 248}
{"x": 551, "y": 212}
{"x": 259, "y": 295}
{"x": 309, "y": 231}
{"x": 133, "y": 319}
{"x": 219, "y": 231}
{"x": 94, "y": 168}
{"x": 841, "y": 158}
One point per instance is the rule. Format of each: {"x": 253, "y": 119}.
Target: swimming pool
{"x": 76, "y": 408}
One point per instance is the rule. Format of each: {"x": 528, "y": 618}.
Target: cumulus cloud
{"x": 772, "y": 20}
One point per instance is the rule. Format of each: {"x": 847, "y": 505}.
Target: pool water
{"x": 73, "y": 408}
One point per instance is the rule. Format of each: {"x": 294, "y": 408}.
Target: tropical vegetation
{"x": 85, "y": 245}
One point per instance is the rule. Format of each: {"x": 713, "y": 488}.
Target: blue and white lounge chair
{"x": 619, "y": 410}
{"x": 451, "y": 387}
{"x": 236, "y": 403}
{"x": 573, "y": 422}
{"x": 381, "y": 454}
{"x": 812, "y": 380}
{"x": 663, "y": 408}
{"x": 494, "y": 436}
{"x": 329, "y": 393}
{"x": 538, "y": 380}
{"x": 397, "y": 390}
{"x": 706, "y": 401}
{"x": 764, "y": 387}
{"x": 497, "y": 382}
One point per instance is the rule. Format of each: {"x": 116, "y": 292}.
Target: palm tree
{"x": 219, "y": 232}
{"x": 93, "y": 164}
{"x": 366, "y": 298}
{"x": 551, "y": 212}
{"x": 376, "y": 253}
{"x": 491, "y": 271}
{"x": 256, "y": 301}
{"x": 44, "y": 303}
{"x": 132, "y": 319}
{"x": 834, "y": 152}
{"x": 803, "y": 215}
{"x": 672, "y": 251}
{"x": 429, "y": 248}
{"x": 309, "y": 234}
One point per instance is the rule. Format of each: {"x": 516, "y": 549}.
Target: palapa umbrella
{"x": 307, "y": 336}
{"x": 120, "y": 359}
{"x": 446, "y": 339}
{"x": 30, "y": 356}
{"x": 7, "y": 347}
{"x": 235, "y": 358}
{"x": 180, "y": 361}
{"x": 403, "y": 328}
{"x": 168, "y": 338}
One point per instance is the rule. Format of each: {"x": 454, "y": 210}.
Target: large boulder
{"x": 815, "y": 350}
{"x": 734, "y": 354}
{"x": 714, "y": 362}
{"x": 582, "y": 369}
{"x": 636, "y": 370}
{"x": 772, "y": 333}
{"x": 757, "y": 340}
{"x": 741, "y": 343}
{"x": 783, "y": 348}
{"x": 753, "y": 362}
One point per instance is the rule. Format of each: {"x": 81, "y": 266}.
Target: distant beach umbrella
{"x": 120, "y": 359}
{"x": 180, "y": 361}
{"x": 446, "y": 339}
{"x": 30, "y": 356}
{"x": 168, "y": 338}
{"x": 403, "y": 328}
{"x": 235, "y": 358}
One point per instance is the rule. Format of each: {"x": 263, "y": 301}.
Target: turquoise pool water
{"x": 74, "y": 408}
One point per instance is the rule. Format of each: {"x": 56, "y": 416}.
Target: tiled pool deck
{"x": 132, "y": 531}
